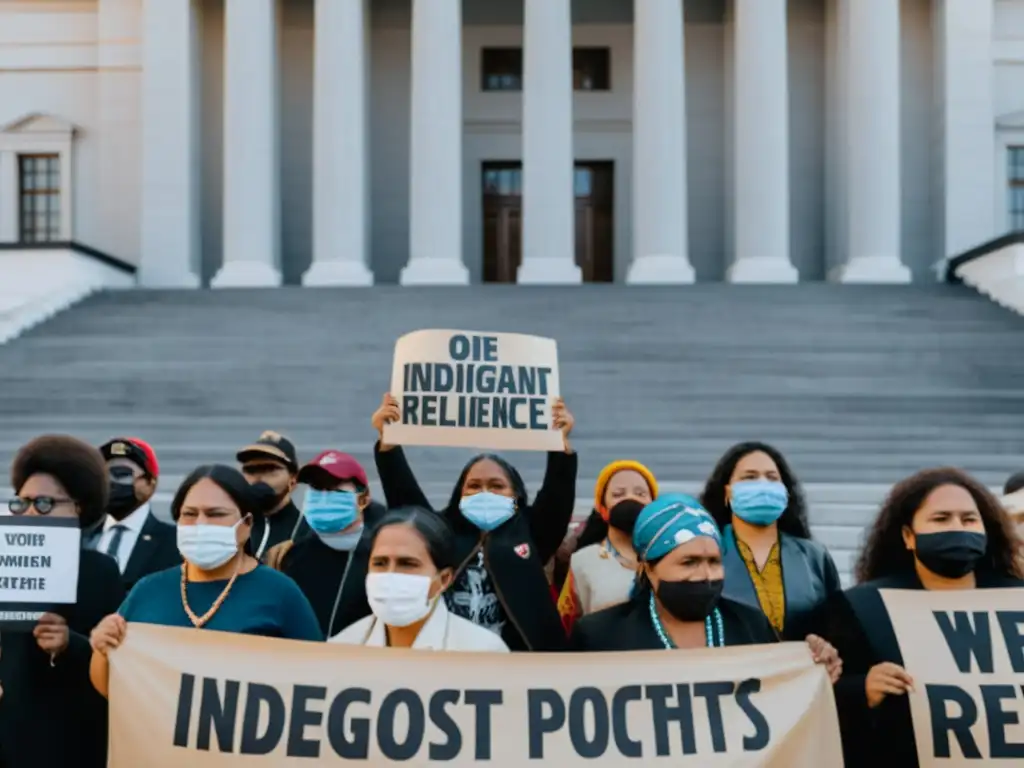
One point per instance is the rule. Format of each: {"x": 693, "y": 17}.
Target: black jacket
{"x": 156, "y": 549}
{"x": 51, "y": 716}
{"x": 860, "y": 629}
{"x": 515, "y": 553}
{"x": 287, "y": 524}
{"x": 334, "y": 582}
{"x": 628, "y": 627}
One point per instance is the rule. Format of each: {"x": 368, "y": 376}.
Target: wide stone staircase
{"x": 857, "y": 385}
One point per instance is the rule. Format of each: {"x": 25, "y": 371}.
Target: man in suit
{"x": 130, "y": 533}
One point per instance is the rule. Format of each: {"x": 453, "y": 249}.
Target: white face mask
{"x": 399, "y": 599}
{"x": 207, "y": 546}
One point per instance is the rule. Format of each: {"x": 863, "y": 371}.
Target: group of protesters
{"x": 490, "y": 571}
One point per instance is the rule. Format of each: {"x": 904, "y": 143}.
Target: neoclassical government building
{"x": 349, "y": 142}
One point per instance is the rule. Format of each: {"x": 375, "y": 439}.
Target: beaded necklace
{"x": 709, "y": 628}
{"x": 609, "y": 550}
{"x": 199, "y": 621}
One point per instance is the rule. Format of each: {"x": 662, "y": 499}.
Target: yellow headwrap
{"x": 613, "y": 469}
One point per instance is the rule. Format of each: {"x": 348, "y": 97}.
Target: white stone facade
{"x": 343, "y": 142}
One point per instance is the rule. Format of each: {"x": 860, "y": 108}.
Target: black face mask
{"x": 690, "y": 600}
{"x": 950, "y": 554}
{"x": 122, "y": 500}
{"x": 623, "y": 515}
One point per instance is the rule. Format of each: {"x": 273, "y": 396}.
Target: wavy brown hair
{"x": 793, "y": 521}
{"x": 885, "y": 553}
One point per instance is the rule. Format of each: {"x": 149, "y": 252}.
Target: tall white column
{"x": 872, "y": 30}
{"x": 9, "y": 204}
{"x": 965, "y": 117}
{"x": 549, "y": 201}
{"x": 660, "y": 231}
{"x": 170, "y": 147}
{"x": 761, "y": 144}
{"x": 340, "y": 235}
{"x": 118, "y": 131}
{"x": 252, "y": 210}
{"x": 435, "y": 162}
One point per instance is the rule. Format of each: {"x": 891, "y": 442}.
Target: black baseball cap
{"x": 271, "y": 445}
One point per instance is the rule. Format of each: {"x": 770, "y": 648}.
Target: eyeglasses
{"x": 44, "y": 505}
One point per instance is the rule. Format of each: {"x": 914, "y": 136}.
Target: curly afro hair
{"x": 885, "y": 553}
{"x": 793, "y": 521}
{"x": 78, "y": 466}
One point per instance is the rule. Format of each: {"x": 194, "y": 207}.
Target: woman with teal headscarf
{"x": 677, "y": 599}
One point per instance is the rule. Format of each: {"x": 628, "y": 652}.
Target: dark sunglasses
{"x": 267, "y": 468}
{"x": 44, "y": 505}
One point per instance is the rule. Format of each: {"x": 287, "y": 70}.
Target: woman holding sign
{"x": 771, "y": 561}
{"x": 938, "y": 530}
{"x": 49, "y": 715}
{"x": 502, "y": 542}
{"x": 412, "y": 561}
{"x": 677, "y": 601}
{"x": 220, "y": 585}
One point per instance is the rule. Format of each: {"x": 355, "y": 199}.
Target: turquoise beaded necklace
{"x": 709, "y": 628}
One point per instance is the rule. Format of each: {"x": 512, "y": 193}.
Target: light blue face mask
{"x": 328, "y": 512}
{"x": 759, "y": 502}
{"x": 342, "y": 542}
{"x": 487, "y": 510}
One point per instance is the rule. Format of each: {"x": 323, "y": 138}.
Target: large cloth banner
{"x": 203, "y": 699}
{"x": 475, "y": 390}
{"x": 965, "y": 651}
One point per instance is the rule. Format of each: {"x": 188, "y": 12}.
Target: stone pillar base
{"x": 660, "y": 269}
{"x": 872, "y": 269}
{"x": 246, "y": 274}
{"x": 763, "y": 270}
{"x": 337, "y": 273}
{"x": 156, "y": 278}
{"x": 549, "y": 272}
{"x": 425, "y": 271}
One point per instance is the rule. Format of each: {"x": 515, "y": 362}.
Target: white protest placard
{"x": 38, "y": 566}
{"x": 469, "y": 389}
{"x": 965, "y": 650}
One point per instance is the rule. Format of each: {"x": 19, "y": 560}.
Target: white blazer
{"x": 442, "y": 632}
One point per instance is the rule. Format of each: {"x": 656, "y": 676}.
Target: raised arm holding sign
{"x": 502, "y": 540}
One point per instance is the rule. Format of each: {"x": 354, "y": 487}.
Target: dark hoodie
{"x": 333, "y": 581}
{"x": 511, "y": 558}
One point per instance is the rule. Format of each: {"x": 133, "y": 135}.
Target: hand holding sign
{"x": 388, "y": 413}
{"x": 562, "y": 421}
{"x": 108, "y": 634}
{"x": 886, "y": 679}
{"x": 52, "y": 634}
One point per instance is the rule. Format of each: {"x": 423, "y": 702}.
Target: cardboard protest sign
{"x": 965, "y": 651}
{"x": 475, "y": 390}
{"x": 38, "y": 567}
{"x": 205, "y": 699}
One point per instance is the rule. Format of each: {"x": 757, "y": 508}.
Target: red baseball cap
{"x": 135, "y": 450}
{"x": 338, "y": 465}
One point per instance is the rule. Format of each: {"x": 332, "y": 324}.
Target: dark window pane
{"x": 501, "y": 69}
{"x": 39, "y": 194}
{"x": 591, "y": 69}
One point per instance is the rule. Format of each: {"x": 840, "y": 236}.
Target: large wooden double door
{"x": 503, "y": 221}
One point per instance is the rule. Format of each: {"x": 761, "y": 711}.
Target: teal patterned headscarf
{"x": 670, "y": 521}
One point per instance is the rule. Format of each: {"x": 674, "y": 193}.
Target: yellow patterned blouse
{"x": 767, "y": 583}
